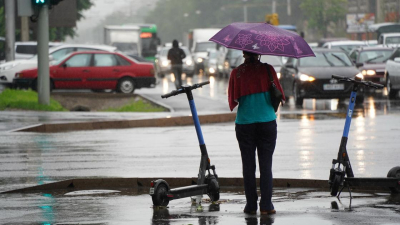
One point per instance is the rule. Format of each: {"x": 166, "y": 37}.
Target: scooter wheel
{"x": 395, "y": 172}
{"x": 335, "y": 185}
{"x": 160, "y": 195}
{"x": 213, "y": 190}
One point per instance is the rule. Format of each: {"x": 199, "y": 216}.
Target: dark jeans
{"x": 177, "y": 71}
{"x": 260, "y": 136}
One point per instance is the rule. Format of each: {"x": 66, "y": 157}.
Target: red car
{"x": 93, "y": 70}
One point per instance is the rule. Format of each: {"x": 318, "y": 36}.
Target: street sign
{"x": 25, "y": 8}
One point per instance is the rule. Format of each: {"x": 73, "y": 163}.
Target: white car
{"x": 346, "y": 46}
{"x": 389, "y": 39}
{"x": 392, "y": 74}
{"x": 9, "y": 69}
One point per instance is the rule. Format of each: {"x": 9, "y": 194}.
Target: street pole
{"x": 24, "y": 28}
{"x": 10, "y": 30}
{"x": 43, "y": 80}
{"x": 273, "y": 6}
{"x": 245, "y": 13}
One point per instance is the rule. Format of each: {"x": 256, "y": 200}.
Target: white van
{"x": 389, "y": 39}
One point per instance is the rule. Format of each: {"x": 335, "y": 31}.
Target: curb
{"x": 129, "y": 183}
{"x": 119, "y": 124}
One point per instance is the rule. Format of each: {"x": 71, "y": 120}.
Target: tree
{"x": 58, "y": 33}
{"x": 320, "y": 13}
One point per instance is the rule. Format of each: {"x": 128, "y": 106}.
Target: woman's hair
{"x": 252, "y": 56}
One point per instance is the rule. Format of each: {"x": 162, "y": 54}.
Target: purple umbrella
{"x": 263, "y": 39}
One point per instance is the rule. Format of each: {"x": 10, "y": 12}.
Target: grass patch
{"x": 26, "y": 100}
{"x": 137, "y": 106}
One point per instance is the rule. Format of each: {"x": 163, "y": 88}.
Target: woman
{"x": 255, "y": 127}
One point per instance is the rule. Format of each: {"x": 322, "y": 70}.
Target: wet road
{"x": 294, "y": 206}
{"x": 308, "y": 140}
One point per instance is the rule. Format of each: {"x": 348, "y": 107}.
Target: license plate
{"x": 151, "y": 191}
{"x": 330, "y": 87}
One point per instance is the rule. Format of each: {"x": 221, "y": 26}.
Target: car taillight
{"x": 152, "y": 72}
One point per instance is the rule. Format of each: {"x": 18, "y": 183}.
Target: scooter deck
{"x": 188, "y": 191}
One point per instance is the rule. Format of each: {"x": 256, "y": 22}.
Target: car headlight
{"x": 18, "y": 75}
{"x": 279, "y": 75}
{"x": 211, "y": 70}
{"x": 165, "y": 63}
{"x": 9, "y": 66}
{"x": 189, "y": 62}
{"x": 199, "y": 60}
{"x": 359, "y": 75}
{"x": 368, "y": 72}
{"x": 305, "y": 77}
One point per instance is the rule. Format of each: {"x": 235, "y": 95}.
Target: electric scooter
{"x": 341, "y": 166}
{"x": 206, "y": 184}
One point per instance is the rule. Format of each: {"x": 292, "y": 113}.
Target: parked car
{"x": 311, "y": 77}
{"x": 392, "y": 74}
{"x": 371, "y": 62}
{"x": 27, "y": 50}
{"x": 163, "y": 65}
{"x": 9, "y": 69}
{"x": 94, "y": 70}
{"x": 346, "y": 46}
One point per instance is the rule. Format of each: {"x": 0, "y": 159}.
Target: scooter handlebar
{"x": 184, "y": 88}
{"x": 365, "y": 83}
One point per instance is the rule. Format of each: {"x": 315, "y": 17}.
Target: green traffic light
{"x": 39, "y": 1}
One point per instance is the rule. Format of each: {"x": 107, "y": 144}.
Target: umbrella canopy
{"x": 263, "y": 39}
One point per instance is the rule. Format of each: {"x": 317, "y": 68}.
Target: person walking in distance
{"x": 175, "y": 55}
{"x": 255, "y": 127}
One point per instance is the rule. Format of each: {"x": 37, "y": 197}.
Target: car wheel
{"x": 391, "y": 92}
{"x": 126, "y": 85}
{"x": 296, "y": 96}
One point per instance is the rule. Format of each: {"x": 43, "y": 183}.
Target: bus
{"x": 149, "y": 40}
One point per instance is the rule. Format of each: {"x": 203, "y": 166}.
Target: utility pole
{"x": 43, "y": 80}
{"x": 289, "y": 8}
{"x": 273, "y": 6}
{"x": 245, "y": 11}
{"x": 10, "y": 30}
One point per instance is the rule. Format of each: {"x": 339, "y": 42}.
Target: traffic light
{"x": 39, "y": 2}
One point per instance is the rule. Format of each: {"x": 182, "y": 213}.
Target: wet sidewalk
{"x": 297, "y": 206}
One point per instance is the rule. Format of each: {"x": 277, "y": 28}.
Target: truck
{"x": 198, "y": 42}
{"x": 125, "y": 38}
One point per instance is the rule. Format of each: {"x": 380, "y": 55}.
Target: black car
{"x": 311, "y": 77}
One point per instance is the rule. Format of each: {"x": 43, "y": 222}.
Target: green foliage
{"x": 320, "y": 13}
{"x": 2, "y": 22}
{"x": 26, "y": 100}
{"x": 60, "y": 33}
{"x": 137, "y": 106}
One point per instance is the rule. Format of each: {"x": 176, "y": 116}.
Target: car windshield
{"x": 326, "y": 59}
{"x": 58, "y": 61}
{"x": 393, "y": 40}
{"x": 272, "y": 60}
{"x": 203, "y": 46}
{"x": 213, "y": 54}
{"x": 346, "y": 48}
{"x": 375, "y": 56}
